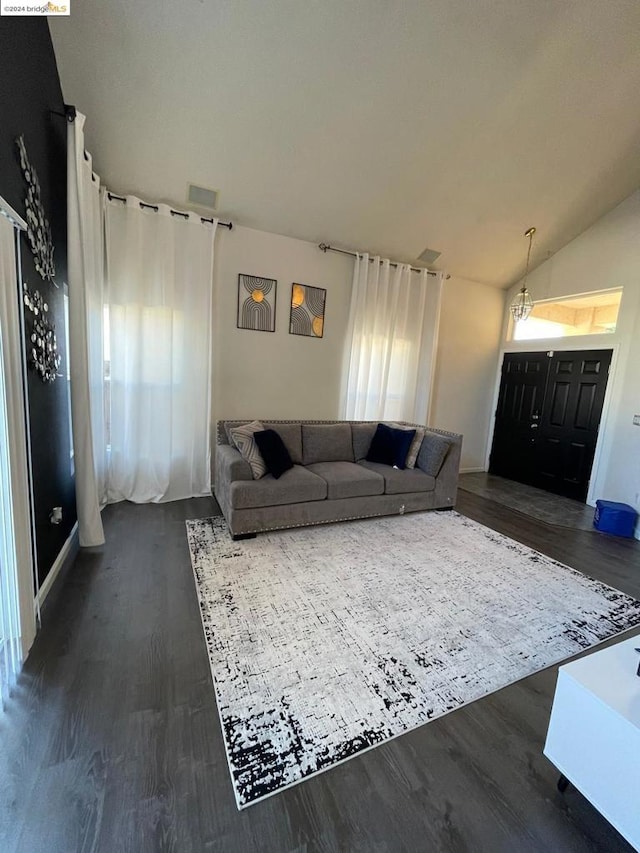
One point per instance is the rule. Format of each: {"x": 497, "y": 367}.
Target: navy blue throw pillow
{"x": 275, "y": 454}
{"x": 390, "y": 446}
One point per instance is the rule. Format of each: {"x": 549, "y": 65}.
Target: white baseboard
{"x": 472, "y": 470}
{"x": 55, "y": 568}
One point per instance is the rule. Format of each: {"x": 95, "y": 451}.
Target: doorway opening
{"x": 548, "y": 417}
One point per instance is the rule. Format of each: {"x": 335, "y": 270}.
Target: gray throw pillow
{"x": 416, "y": 444}
{"x": 243, "y": 439}
{"x": 228, "y": 426}
{"x": 432, "y": 453}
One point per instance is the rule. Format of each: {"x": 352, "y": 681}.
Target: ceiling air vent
{"x": 429, "y": 256}
{"x": 202, "y": 196}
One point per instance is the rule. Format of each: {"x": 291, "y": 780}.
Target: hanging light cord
{"x": 523, "y": 304}
{"x": 528, "y": 234}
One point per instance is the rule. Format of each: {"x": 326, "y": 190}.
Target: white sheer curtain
{"x": 10, "y": 647}
{"x": 391, "y": 342}
{"x": 17, "y": 618}
{"x": 85, "y": 220}
{"x": 158, "y": 342}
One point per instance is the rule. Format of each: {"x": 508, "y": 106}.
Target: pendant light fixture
{"x": 522, "y": 304}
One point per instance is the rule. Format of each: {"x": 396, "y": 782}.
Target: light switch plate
{"x": 636, "y": 420}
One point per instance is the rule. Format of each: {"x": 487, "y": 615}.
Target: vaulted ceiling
{"x": 383, "y": 125}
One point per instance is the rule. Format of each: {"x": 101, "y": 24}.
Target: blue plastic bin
{"x": 613, "y": 517}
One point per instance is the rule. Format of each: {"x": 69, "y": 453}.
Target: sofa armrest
{"x": 447, "y": 479}
{"x": 230, "y": 465}
{"x": 229, "y": 468}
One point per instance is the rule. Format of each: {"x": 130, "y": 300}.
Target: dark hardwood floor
{"x": 112, "y": 741}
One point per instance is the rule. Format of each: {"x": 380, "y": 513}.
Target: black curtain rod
{"x": 155, "y": 207}
{"x": 326, "y": 248}
{"x": 70, "y": 114}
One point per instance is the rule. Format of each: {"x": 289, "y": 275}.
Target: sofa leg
{"x": 238, "y": 537}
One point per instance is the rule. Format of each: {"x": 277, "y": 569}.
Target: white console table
{"x": 594, "y": 733}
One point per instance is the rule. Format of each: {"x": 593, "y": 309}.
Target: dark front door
{"x": 547, "y": 419}
{"x": 524, "y": 380}
{"x": 570, "y": 421}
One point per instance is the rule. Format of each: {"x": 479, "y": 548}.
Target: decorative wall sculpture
{"x": 307, "y": 310}
{"x": 38, "y": 229}
{"x": 256, "y": 303}
{"x": 42, "y": 344}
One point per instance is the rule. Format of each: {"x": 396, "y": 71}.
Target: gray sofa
{"x": 330, "y": 480}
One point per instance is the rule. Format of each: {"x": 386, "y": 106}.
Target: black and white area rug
{"x": 325, "y": 641}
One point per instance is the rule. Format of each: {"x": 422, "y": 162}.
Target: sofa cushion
{"x": 326, "y": 443}
{"x": 275, "y": 454}
{"x": 229, "y": 425}
{"x": 433, "y": 452}
{"x": 361, "y": 435}
{"x": 348, "y": 480}
{"x": 295, "y": 486}
{"x": 291, "y": 435}
{"x": 390, "y": 446}
{"x": 398, "y": 482}
{"x": 243, "y": 439}
{"x": 416, "y": 444}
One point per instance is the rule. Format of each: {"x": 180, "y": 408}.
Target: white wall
{"x": 277, "y": 375}
{"x": 468, "y": 344}
{"x": 607, "y": 255}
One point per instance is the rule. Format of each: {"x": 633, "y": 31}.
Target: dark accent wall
{"x": 30, "y": 95}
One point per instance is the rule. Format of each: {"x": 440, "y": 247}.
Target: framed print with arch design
{"x": 307, "y": 310}
{"x": 256, "y": 303}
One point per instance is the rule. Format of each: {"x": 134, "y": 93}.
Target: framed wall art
{"x": 307, "y": 310}
{"x": 256, "y": 303}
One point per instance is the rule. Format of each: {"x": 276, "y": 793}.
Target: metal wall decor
{"x": 43, "y": 355}
{"x": 307, "y": 310}
{"x": 38, "y": 229}
{"x": 256, "y": 303}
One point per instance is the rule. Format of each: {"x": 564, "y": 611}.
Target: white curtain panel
{"x": 391, "y": 342}
{"x": 85, "y": 220}
{"x": 10, "y": 646}
{"x": 158, "y": 348}
{"x": 17, "y": 618}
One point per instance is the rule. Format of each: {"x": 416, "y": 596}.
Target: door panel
{"x": 547, "y": 419}
{"x": 570, "y": 421}
{"x": 584, "y": 408}
{"x": 549, "y": 450}
{"x": 576, "y": 456}
{"x": 524, "y": 377}
{"x": 564, "y": 366}
{"x": 559, "y": 401}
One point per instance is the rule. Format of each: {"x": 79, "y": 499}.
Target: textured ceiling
{"x": 383, "y": 126}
